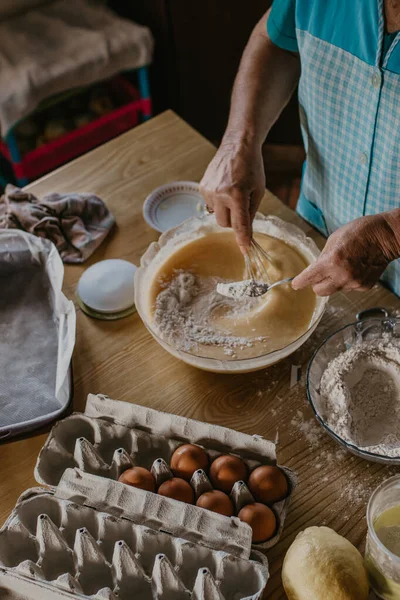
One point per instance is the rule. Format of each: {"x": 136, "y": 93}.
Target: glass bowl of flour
{"x": 353, "y": 385}
{"x": 176, "y": 297}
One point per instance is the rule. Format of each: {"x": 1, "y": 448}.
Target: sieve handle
{"x": 370, "y": 313}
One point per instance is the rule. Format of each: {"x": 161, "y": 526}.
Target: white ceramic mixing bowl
{"x": 194, "y": 228}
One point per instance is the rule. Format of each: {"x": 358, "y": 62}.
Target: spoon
{"x": 249, "y": 288}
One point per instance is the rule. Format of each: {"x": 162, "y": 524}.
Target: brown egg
{"x": 177, "y": 488}
{"x": 187, "y": 459}
{"x": 268, "y": 484}
{"x": 217, "y": 502}
{"x": 226, "y": 470}
{"x": 261, "y": 519}
{"x": 139, "y": 477}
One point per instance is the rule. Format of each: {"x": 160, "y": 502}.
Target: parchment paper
{"x": 37, "y": 333}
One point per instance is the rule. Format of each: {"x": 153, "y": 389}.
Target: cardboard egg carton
{"x": 112, "y": 436}
{"x": 82, "y": 540}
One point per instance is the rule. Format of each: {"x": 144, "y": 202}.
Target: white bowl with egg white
{"x": 171, "y": 204}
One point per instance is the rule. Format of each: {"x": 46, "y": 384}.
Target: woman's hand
{"x": 355, "y": 256}
{"x": 234, "y": 185}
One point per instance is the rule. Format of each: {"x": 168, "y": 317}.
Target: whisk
{"x": 257, "y": 261}
{"x": 257, "y": 280}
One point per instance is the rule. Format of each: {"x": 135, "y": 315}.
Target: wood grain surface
{"x": 122, "y": 360}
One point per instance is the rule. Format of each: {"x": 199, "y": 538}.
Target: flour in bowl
{"x": 360, "y": 396}
{"x": 183, "y": 315}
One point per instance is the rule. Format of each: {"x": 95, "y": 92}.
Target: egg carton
{"x": 56, "y": 543}
{"x": 112, "y": 436}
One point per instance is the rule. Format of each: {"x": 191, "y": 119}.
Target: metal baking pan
{"x": 37, "y": 334}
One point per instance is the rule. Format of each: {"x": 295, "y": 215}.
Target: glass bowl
{"x": 383, "y": 566}
{"x": 194, "y": 228}
{"x": 365, "y": 328}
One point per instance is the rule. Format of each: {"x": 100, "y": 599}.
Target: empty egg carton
{"x": 112, "y": 436}
{"x": 82, "y": 541}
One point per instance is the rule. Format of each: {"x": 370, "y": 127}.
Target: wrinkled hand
{"x": 233, "y": 187}
{"x": 354, "y": 257}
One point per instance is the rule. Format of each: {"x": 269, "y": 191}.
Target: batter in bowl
{"x": 188, "y": 313}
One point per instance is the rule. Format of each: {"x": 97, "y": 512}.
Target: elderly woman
{"x": 345, "y": 56}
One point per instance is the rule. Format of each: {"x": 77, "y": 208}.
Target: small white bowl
{"x": 173, "y": 203}
{"x": 108, "y": 286}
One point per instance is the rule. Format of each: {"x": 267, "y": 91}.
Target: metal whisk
{"x": 257, "y": 261}
{"x": 256, "y": 279}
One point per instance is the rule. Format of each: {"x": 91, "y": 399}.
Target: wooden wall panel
{"x": 198, "y": 50}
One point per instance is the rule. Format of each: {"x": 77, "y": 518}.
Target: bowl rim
{"x": 351, "y": 447}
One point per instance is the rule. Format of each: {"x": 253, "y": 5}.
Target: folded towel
{"x": 75, "y": 223}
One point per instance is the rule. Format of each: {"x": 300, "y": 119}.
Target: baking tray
{"x": 37, "y": 326}
{"x": 112, "y": 435}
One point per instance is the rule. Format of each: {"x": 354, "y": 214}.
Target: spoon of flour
{"x": 248, "y": 288}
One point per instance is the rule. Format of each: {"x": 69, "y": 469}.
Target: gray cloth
{"x": 75, "y": 223}
{"x": 9, "y": 8}
{"x": 60, "y": 46}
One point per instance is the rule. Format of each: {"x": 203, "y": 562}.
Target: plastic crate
{"x": 77, "y": 142}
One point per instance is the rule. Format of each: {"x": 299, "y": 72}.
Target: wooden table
{"x": 122, "y": 360}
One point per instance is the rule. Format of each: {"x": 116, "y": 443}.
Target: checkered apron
{"x": 350, "y": 119}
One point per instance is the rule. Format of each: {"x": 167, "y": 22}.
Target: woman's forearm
{"x": 264, "y": 84}
{"x": 355, "y": 255}
{"x": 234, "y": 182}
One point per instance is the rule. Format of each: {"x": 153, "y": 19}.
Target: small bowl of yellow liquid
{"x": 382, "y": 553}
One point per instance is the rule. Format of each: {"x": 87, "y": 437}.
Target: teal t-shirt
{"x": 349, "y": 104}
